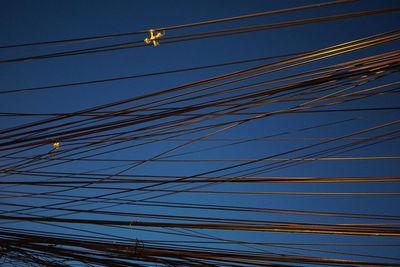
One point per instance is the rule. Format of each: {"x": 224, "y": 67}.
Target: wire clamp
{"x": 153, "y": 36}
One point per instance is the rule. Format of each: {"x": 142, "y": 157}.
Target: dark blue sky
{"x": 32, "y": 21}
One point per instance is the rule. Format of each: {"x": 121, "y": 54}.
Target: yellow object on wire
{"x": 56, "y": 145}
{"x": 153, "y": 37}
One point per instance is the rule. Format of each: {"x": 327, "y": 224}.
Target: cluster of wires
{"x": 189, "y": 37}
{"x": 50, "y": 174}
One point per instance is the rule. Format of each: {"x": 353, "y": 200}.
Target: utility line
{"x": 99, "y": 37}
{"x": 136, "y": 44}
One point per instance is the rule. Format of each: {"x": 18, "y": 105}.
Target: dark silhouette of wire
{"x": 197, "y": 36}
{"x": 184, "y": 26}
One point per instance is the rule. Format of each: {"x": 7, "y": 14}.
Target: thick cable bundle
{"x": 258, "y": 164}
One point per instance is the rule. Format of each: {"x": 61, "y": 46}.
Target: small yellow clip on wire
{"x": 153, "y": 37}
{"x": 56, "y": 145}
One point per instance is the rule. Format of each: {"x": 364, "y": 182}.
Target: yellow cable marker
{"x": 56, "y": 145}
{"x": 153, "y": 37}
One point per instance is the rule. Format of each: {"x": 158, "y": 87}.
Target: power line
{"x": 197, "y": 36}
{"x": 99, "y": 37}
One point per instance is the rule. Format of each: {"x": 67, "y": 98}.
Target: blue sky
{"x": 29, "y": 22}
